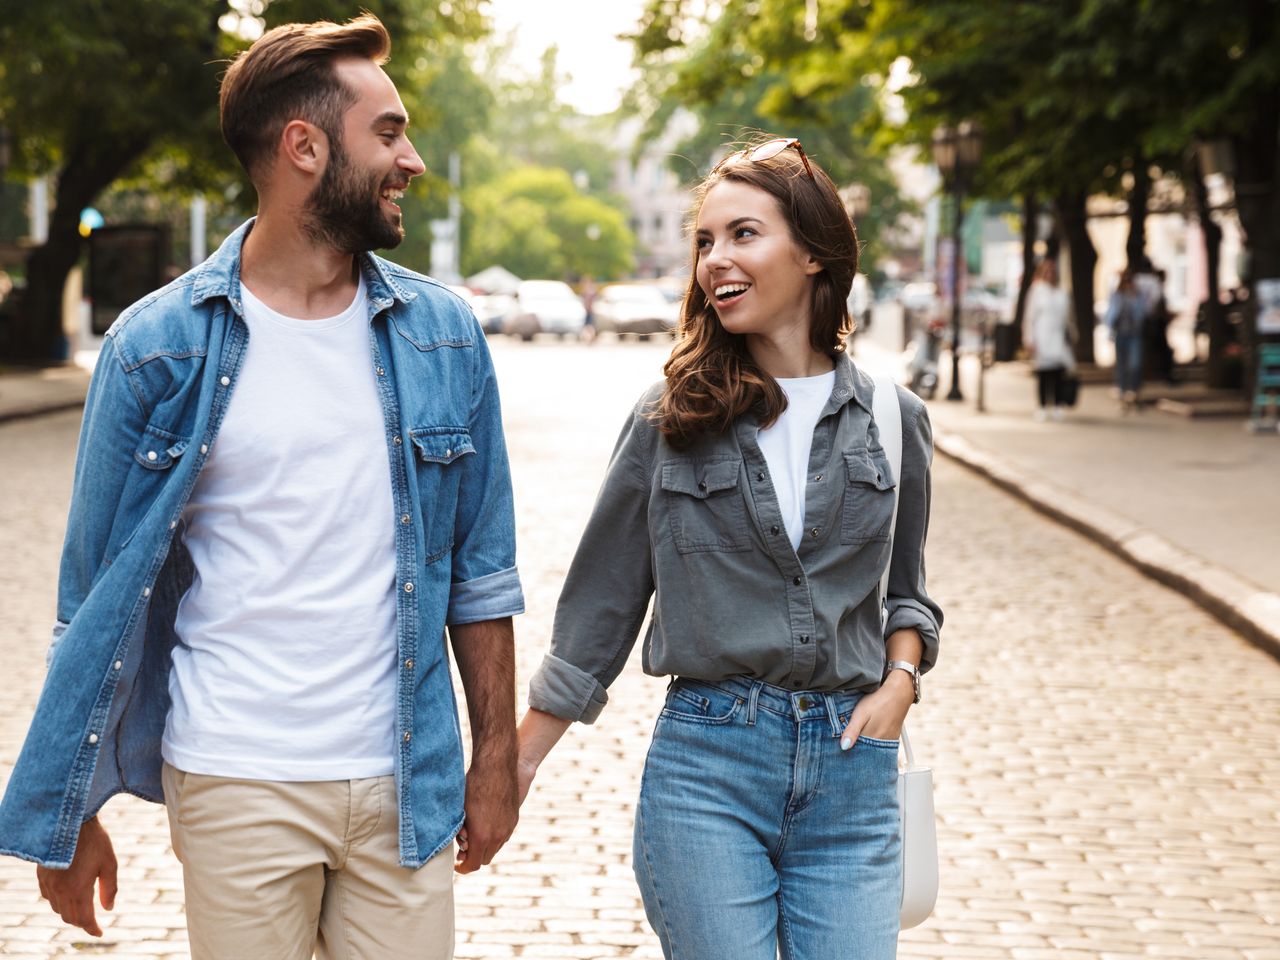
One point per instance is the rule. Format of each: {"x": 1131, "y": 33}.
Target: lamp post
{"x": 956, "y": 151}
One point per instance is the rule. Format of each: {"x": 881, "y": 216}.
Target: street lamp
{"x": 957, "y": 153}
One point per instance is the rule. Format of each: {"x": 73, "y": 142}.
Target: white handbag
{"x": 915, "y": 784}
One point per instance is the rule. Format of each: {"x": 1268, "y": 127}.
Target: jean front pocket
{"x": 700, "y": 703}
{"x": 868, "y": 497}
{"x": 706, "y": 508}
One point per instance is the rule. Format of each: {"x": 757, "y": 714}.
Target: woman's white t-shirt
{"x": 787, "y": 442}
{"x": 286, "y": 663}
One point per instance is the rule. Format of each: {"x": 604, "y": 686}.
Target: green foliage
{"x": 536, "y": 223}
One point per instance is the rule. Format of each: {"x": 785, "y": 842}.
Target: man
{"x": 291, "y": 476}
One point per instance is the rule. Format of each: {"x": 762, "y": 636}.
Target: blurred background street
{"x": 1106, "y": 755}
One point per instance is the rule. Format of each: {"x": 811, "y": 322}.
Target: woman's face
{"x": 755, "y": 276}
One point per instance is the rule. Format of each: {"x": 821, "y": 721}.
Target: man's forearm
{"x": 485, "y": 654}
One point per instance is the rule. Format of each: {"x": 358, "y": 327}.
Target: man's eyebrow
{"x": 390, "y": 116}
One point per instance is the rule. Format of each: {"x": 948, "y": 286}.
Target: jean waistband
{"x": 796, "y": 704}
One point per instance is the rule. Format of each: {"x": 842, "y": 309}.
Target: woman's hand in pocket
{"x": 880, "y": 715}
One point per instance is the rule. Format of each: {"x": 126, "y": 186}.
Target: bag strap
{"x": 887, "y": 414}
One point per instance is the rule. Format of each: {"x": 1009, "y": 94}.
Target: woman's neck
{"x": 789, "y": 359}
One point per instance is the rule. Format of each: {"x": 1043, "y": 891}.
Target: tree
{"x": 535, "y": 222}
{"x": 745, "y": 66}
{"x": 94, "y": 92}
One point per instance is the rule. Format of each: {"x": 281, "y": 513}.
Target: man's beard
{"x": 344, "y": 211}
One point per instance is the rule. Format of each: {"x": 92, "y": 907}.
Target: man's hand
{"x": 485, "y": 654}
{"x": 70, "y": 891}
{"x": 491, "y": 807}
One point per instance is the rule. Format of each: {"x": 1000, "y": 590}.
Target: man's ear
{"x": 305, "y": 146}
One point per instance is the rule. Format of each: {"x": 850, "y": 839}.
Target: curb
{"x": 1249, "y": 610}
{"x": 39, "y": 410}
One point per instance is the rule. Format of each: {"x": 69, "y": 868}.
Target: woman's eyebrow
{"x": 731, "y": 225}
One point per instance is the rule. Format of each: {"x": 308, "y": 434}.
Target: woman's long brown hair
{"x": 711, "y": 378}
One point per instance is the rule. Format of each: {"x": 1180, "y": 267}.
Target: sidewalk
{"x": 1191, "y": 502}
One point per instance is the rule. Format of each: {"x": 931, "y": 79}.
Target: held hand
{"x": 526, "y": 770}
{"x": 492, "y": 810}
{"x": 880, "y": 715}
{"x": 70, "y": 891}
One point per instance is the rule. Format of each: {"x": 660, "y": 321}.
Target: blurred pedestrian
{"x": 1126, "y": 318}
{"x": 750, "y": 496}
{"x": 282, "y": 495}
{"x": 588, "y": 294}
{"x": 1158, "y": 350}
{"x": 1049, "y": 334}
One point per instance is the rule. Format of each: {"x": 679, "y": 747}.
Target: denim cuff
{"x": 491, "y": 597}
{"x": 561, "y": 689}
{"x": 907, "y": 614}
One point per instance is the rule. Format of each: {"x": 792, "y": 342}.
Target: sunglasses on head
{"x": 767, "y": 151}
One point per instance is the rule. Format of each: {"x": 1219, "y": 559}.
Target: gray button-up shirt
{"x": 701, "y": 529}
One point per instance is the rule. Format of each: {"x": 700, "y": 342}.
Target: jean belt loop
{"x": 753, "y": 698}
{"x": 833, "y": 713}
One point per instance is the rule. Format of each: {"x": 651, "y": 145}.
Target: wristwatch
{"x": 911, "y": 668}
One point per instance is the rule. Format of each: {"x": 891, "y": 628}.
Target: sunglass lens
{"x": 767, "y": 151}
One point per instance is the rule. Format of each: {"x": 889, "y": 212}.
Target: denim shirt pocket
{"x": 158, "y": 449}
{"x": 707, "y": 511}
{"x": 868, "y": 497}
{"x": 436, "y": 453}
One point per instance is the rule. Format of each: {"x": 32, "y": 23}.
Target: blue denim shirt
{"x": 167, "y": 370}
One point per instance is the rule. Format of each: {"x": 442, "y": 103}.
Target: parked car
{"x": 634, "y": 308}
{"x": 492, "y": 310}
{"x": 548, "y": 306}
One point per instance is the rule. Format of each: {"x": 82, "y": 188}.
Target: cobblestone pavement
{"x": 1106, "y": 756}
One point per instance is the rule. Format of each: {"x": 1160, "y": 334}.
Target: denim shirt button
{"x": 404, "y": 518}
{"x": 117, "y": 665}
{"x": 146, "y": 591}
{"x": 173, "y": 524}
{"x": 381, "y": 372}
{"x": 408, "y": 664}
{"x": 407, "y": 736}
{"x": 152, "y": 456}
{"x": 225, "y": 381}
{"x": 396, "y": 440}
{"x": 408, "y": 588}
{"x": 204, "y": 448}
{"x": 93, "y": 738}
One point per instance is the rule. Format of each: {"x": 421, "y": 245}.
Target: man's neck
{"x": 292, "y": 274}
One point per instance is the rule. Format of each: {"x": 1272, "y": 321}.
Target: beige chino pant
{"x": 275, "y": 871}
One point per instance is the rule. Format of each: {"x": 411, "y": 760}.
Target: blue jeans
{"x": 1129, "y": 362}
{"x": 756, "y": 836}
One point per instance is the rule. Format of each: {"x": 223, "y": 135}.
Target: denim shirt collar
{"x": 852, "y": 383}
{"x": 219, "y": 276}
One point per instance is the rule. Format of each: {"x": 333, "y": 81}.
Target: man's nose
{"x": 411, "y": 163}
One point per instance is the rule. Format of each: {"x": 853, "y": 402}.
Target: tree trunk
{"x": 1030, "y": 218}
{"x": 1136, "y": 247}
{"x": 1214, "y": 315}
{"x": 1072, "y": 222}
{"x": 36, "y": 335}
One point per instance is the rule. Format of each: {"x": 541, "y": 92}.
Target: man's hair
{"x": 288, "y": 75}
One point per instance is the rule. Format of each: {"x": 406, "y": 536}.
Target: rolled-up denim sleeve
{"x": 606, "y": 593}
{"x": 908, "y": 602}
{"x": 486, "y": 583}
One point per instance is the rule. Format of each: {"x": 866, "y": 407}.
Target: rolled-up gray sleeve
{"x": 607, "y": 591}
{"x": 908, "y": 603}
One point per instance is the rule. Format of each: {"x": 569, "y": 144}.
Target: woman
{"x": 1048, "y": 336}
{"x": 1126, "y": 318}
{"x": 750, "y": 494}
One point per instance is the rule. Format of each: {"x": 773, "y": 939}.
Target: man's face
{"x": 353, "y": 207}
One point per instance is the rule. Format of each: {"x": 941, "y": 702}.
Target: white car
{"x": 548, "y": 306}
{"x": 639, "y": 308}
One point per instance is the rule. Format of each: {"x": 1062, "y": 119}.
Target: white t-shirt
{"x": 787, "y": 442}
{"x": 286, "y": 669}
